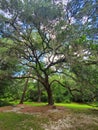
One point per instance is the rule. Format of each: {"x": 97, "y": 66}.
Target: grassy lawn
{"x": 75, "y": 105}
{"x": 15, "y": 121}
{"x": 67, "y": 105}
{"x": 35, "y": 103}
{"x": 29, "y": 103}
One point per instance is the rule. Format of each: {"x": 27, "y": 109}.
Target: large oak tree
{"x": 49, "y": 36}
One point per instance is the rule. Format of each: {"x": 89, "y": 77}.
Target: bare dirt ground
{"x": 60, "y": 118}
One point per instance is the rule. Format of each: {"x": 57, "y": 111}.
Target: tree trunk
{"x": 24, "y": 91}
{"x": 50, "y": 96}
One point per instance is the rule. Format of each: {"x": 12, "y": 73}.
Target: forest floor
{"x": 59, "y": 118}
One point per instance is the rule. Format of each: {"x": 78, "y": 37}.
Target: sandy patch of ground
{"x": 2, "y": 109}
{"x": 73, "y": 122}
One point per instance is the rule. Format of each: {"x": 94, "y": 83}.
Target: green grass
{"x": 35, "y": 103}
{"x": 15, "y": 121}
{"x": 80, "y": 108}
{"x": 67, "y": 105}
{"x": 29, "y": 103}
{"x": 75, "y": 105}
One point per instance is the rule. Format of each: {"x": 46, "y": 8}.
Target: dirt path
{"x": 60, "y": 118}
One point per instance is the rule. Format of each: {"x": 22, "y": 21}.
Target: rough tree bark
{"x": 50, "y": 96}
{"x": 48, "y": 90}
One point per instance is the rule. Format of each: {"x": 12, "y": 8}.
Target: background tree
{"x": 7, "y": 65}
